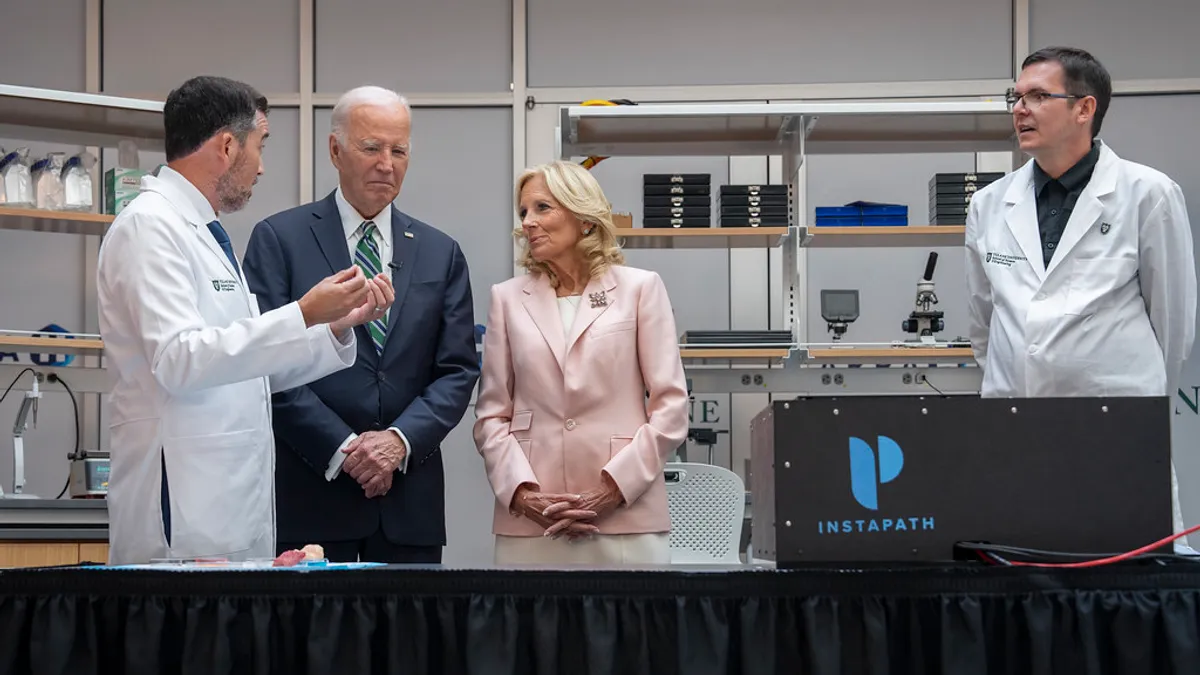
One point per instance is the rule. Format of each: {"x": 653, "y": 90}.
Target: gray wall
{"x": 452, "y": 46}
{"x": 705, "y": 42}
{"x": 1151, "y": 39}
{"x": 461, "y": 174}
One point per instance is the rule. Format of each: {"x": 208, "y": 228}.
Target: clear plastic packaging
{"x": 47, "y": 181}
{"x": 127, "y": 154}
{"x": 78, "y": 192}
{"x": 15, "y": 178}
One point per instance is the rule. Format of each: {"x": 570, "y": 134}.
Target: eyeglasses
{"x": 1032, "y": 99}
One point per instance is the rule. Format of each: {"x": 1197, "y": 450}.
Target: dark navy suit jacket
{"x": 420, "y": 384}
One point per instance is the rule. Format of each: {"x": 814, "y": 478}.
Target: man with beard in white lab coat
{"x": 1080, "y": 273}
{"x": 195, "y": 362}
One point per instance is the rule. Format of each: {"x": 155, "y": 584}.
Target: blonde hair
{"x": 576, "y": 190}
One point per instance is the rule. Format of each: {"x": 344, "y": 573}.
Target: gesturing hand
{"x": 592, "y": 504}
{"x": 335, "y": 296}
{"x": 380, "y": 297}
{"x": 533, "y": 505}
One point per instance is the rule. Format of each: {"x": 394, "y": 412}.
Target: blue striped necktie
{"x": 366, "y": 256}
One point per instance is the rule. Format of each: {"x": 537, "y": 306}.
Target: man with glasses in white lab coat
{"x": 1080, "y": 273}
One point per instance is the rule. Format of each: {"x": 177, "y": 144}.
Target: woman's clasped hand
{"x": 569, "y": 515}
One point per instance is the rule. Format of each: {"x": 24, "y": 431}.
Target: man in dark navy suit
{"x": 358, "y": 466}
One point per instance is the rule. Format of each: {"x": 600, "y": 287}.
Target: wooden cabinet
{"x": 48, "y": 553}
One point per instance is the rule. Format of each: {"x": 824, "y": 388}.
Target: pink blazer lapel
{"x": 540, "y": 301}
{"x": 597, "y": 298}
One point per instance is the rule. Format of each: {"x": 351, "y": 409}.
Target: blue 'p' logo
{"x": 866, "y": 475}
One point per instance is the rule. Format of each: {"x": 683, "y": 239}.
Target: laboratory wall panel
{"x": 576, "y": 43}
{"x": 42, "y": 44}
{"x": 152, "y": 47}
{"x": 451, "y": 46}
{"x": 1150, "y": 39}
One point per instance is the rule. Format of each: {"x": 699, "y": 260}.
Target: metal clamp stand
{"x": 28, "y": 404}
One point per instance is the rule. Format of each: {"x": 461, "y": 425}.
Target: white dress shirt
{"x": 352, "y": 222}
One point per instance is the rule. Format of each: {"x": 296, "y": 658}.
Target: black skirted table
{"x": 975, "y": 620}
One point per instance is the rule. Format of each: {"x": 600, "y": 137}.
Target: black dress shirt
{"x": 1056, "y": 198}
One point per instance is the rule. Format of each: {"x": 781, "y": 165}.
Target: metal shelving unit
{"x": 794, "y": 131}
{"x": 77, "y": 118}
{"x": 72, "y": 118}
{"x": 63, "y": 222}
{"x": 726, "y": 237}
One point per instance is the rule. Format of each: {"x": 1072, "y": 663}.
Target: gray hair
{"x": 360, "y": 96}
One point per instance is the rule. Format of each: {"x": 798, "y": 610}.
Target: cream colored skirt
{"x": 601, "y": 550}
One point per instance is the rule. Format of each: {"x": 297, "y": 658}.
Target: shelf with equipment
{"x": 704, "y": 237}
{"x": 740, "y": 356}
{"x": 893, "y": 355}
{"x": 921, "y": 236}
{"x": 769, "y": 128}
{"x": 94, "y": 121}
{"x": 72, "y": 118}
{"x": 793, "y": 131}
{"x": 19, "y": 343}
{"x": 63, "y": 222}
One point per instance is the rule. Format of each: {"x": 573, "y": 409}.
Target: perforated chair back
{"x": 707, "y": 505}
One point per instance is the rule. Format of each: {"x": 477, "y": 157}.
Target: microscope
{"x": 924, "y": 321}
{"x": 839, "y": 308}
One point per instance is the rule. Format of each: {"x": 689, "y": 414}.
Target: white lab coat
{"x": 194, "y": 365}
{"x": 1114, "y": 314}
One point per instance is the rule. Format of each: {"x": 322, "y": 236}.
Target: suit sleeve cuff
{"x": 403, "y": 468}
{"x": 335, "y": 463}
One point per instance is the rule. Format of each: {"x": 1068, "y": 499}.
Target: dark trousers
{"x": 375, "y": 548}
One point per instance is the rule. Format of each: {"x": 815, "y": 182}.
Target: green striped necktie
{"x": 366, "y": 256}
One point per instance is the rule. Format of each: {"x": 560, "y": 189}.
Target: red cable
{"x": 1112, "y": 559}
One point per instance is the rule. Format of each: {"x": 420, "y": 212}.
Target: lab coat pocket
{"x": 216, "y": 486}
{"x": 1093, "y": 283}
{"x": 617, "y": 444}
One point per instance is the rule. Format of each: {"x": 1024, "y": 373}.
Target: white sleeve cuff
{"x": 335, "y": 463}
{"x": 403, "y": 468}
{"x": 342, "y": 347}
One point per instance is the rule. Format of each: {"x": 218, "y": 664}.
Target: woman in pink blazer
{"x": 582, "y": 395}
